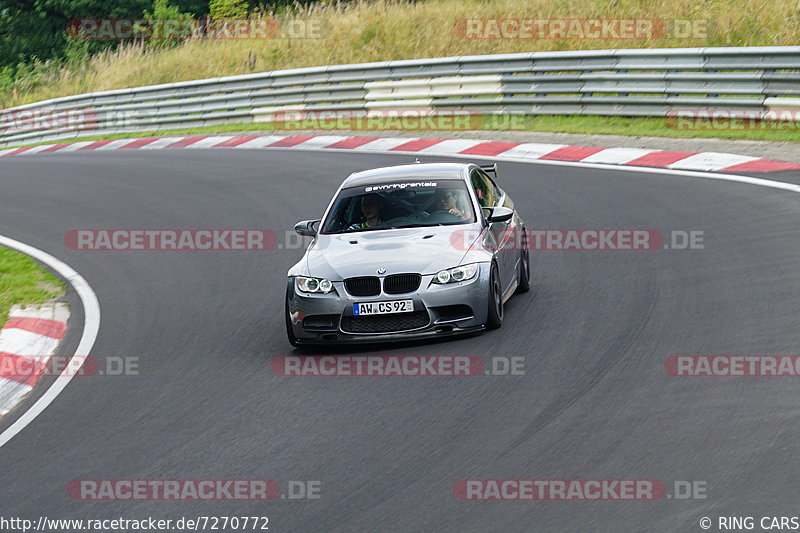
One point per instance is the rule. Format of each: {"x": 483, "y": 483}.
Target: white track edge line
{"x": 717, "y": 175}
{"x": 91, "y": 326}
{"x": 598, "y": 166}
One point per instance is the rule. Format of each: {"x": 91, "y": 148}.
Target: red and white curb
{"x": 631, "y": 157}
{"x": 27, "y": 341}
{"x": 91, "y": 327}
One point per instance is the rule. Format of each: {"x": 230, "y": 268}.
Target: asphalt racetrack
{"x": 595, "y": 401}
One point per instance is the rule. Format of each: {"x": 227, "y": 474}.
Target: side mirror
{"x": 499, "y": 214}
{"x": 307, "y": 228}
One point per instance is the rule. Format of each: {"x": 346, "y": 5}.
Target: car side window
{"x": 484, "y": 189}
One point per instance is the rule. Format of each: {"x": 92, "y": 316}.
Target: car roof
{"x": 412, "y": 172}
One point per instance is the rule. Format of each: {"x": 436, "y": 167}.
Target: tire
{"x": 289, "y": 331}
{"x": 524, "y": 274}
{"x": 495, "y": 317}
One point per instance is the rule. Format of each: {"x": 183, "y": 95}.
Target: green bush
{"x": 163, "y": 11}
{"x": 228, "y": 9}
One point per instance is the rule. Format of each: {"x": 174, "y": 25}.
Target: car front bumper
{"x": 439, "y": 310}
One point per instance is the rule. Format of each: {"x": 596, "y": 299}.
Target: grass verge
{"x": 24, "y": 281}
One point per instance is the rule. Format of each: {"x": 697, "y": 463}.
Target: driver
{"x": 447, "y": 200}
{"x": 371, "y": 205}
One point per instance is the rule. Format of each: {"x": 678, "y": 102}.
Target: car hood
{"x": 423, "y": 250}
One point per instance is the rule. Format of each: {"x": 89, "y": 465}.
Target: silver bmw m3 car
{"x": 410, "y": 251}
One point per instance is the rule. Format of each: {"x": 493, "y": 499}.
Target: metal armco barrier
{"x": 756, "y": 81}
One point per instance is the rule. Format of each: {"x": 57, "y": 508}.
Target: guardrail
{"x": 652, "y": 82}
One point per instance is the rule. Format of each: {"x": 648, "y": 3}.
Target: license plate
{"x": 383, "y": 308}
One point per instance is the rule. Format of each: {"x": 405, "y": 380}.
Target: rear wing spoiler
{"x": 490, "y": 168}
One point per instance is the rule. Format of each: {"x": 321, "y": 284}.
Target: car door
{"x": 509, "y": 235}
{"x": 500, "y": 237}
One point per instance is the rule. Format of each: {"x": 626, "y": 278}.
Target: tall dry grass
{"x": 377, "y": 30}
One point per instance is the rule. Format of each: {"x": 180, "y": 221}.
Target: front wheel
{"x": 495, "y": 318}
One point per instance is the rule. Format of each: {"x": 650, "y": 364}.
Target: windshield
{"x": 400, "y": 205}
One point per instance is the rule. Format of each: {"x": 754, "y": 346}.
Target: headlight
{"x": 313, "y": 284}
{"x": 454, "y": 275}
